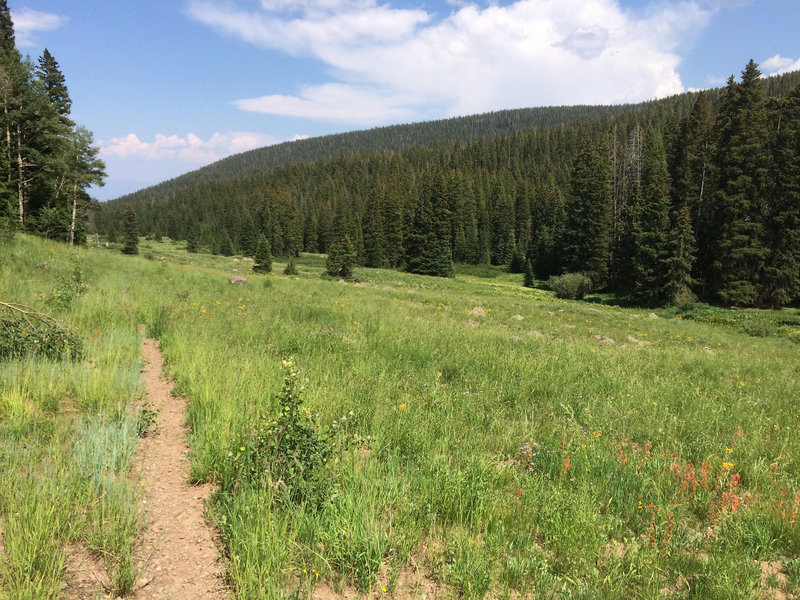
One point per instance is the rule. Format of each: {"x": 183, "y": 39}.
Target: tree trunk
{"x": 20, "y": 181}
{"x": 74, "y": 214}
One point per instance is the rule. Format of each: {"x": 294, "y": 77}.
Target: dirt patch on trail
{"x": 179, "y": 549}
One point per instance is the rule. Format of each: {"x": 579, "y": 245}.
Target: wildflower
{"x": 438, "y": 373}
{"x": 728, "y": 449}
{"x": 597, "y": 434}
{"x": 356, "y": 323}
{"x": 402, "y": 406}
{"x": 727, "y": 465}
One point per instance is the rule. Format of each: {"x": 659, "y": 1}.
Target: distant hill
{"x": 502, "y": 188}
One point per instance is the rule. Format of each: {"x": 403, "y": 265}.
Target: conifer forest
{"x": 696, "y": 195}
{"x": 47, "y": 161}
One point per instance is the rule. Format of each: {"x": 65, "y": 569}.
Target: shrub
{"x": 291, "y": 267}
{"x": 288, "y": 454}
{"x": 69, "y": 288}
{"x": 571, "y": 286}
{"x": 26, "y": 332}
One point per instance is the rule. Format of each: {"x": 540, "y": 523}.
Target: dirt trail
{"x": 184, "y": 560}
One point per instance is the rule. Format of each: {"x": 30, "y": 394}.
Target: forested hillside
{"x": 47, "y": 161}
{"x": 695, "y": 194}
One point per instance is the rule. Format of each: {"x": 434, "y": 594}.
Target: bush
{"x": 291, "y": 267}
{"x": 288, "y": 454}
{"x": 25, "y": 332}
{"x": 571, "y": 286}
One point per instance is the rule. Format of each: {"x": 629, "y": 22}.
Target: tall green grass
{"x": 508, "y": 451}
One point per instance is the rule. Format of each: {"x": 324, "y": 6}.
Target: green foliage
{"x": 341, "y": 258}
{"x": 130, "y": 235}
{"x": 528, "y": 281}
{"x": 69, "y": 288}
{"x": 571, "y": 286}
{"x": 291, "y": 267}
{"x": 26, "y": 332}
{"x": 517, "y": 264}
{"x": 586, "y": 239}
{"x": 287, "y": 454}
{"x": 262, "y": 261}
{"x": 192, "y": 245}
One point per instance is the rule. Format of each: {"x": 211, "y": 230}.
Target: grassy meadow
{"x": 453, "y": 438}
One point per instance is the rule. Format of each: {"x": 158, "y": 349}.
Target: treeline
{"x": 47, "y": 161}
{"x": 695, "y": 194}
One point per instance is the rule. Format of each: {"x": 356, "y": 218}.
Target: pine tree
{"x": 130, "y": 244}
{"x": 782, "y": 270}
{"x": 341, "y": 258}
{"x": 191, "y": 241}
{"x": 55, "y": 86}
{"x": 263, "y": 257}
{"x": 679, "y": 282}
{"x": 738, "y": 247}
{"x": 694, "y": 174}
{"x": 291, "y": 267}
{"x": 528, "y": 281}
{"x": 7, "y": 38}
{"x": 428, "y": 248}
{"x": 651, "y": 233}
{"x": 586, "y": 238}
{"x": 225, "y": 244}
{"x": 247, "y": 235}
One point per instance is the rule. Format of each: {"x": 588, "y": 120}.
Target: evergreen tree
{"x": 55, "y": 86}
{"x": 693, "y": 177}
{"x": 191, "y": 241}
{"x": 263, "y": 257}
{"x": 341, "y": 258}
{"x": 651, "y": 233}
{"x": 225, "y": 244}
{"x": 738, "y": 247}
{"x": 586, "y": 238}
{"x": 291, "y": 267}
{"x": 7, "y": 38}
{"x": 528, "y": 281}
{"x": 375, "y": 252}
{"x": 517, "y": 264}
{"x": 248, "y": 235}
{"x": 679, "y": 282}
{"x": 782, "y": 270}
{"x": 428, "y": 249}
{"x": 130, "y": 229}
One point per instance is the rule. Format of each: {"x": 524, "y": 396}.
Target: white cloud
{"x": 391, "y": 64}
{"x": 778, "y": 64}
{"x": 27, "y": 22}
{"x": 189, "y": 149}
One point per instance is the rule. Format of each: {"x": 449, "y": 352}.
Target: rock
{"x": 640, "y": 343}
{"x": 237, "y": 279}
{"x": 471, "y": 323}
{"x": 517, "y": 317}
{"x": 478, "y": 311}
{"x": 652, "y": 316}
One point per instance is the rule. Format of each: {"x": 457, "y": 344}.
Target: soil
{"x": 179, "y": 549}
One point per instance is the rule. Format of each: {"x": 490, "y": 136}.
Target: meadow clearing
{"x": 462, "y": 437}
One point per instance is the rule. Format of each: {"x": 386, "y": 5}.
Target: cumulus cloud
{"x": 778, "y": 65}
{"x": 189, "y": 149}
{"x": 391, "y": 64}
{"x": 27, "y": 22}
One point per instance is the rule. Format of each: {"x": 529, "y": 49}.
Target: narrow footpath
{"x": 181, "y": 553}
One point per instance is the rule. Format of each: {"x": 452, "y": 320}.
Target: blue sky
{"x": 168, "y": 86}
